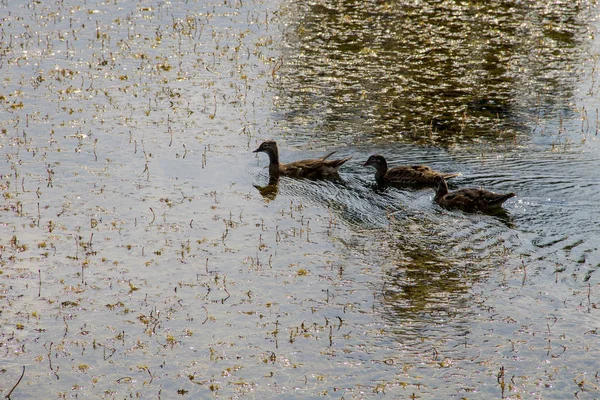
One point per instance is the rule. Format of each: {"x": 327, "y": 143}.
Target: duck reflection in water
{"x": 269, "y": 192}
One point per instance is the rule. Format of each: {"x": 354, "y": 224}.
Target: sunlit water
{"x": 145, "y": 255}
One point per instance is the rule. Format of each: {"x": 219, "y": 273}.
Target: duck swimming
{"x": 316, "y": 168}
{"x": 416, "y": 175}
{"x": 468, "y": 199}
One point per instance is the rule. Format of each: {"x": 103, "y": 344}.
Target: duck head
{"x": 376, "y": 161}
{"x": 269, "y": 147}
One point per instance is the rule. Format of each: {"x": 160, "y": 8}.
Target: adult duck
{"x": 469, "y": 199}
{"x": 315, "y": 168}
{"x": 414, "y": 175}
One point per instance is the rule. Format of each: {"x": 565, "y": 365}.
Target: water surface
{"x": 140, "y": 258}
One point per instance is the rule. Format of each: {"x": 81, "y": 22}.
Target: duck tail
{"x": 327, "y": 156}
{"x": 502, "y": 198}
{"x": 449, "y": 176}
{"x": 339, "y": 162}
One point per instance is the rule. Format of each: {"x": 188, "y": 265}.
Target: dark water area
{"x": 143, "y": 252}
{"x": 441, "y": 72}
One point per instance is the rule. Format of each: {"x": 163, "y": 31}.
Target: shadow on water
{"x": 440, "y": 72}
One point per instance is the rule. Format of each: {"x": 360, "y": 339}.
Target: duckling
{"x": 469, "y": 199}
{"x": 415, "y": 175}
{"x": 317, "y": 168}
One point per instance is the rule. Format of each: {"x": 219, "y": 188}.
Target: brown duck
{"x": 416, "y": 175}
{"x": 317, "y": 168}
{"x": 469, "y": 199}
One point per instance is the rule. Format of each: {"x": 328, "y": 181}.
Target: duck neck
{"x": 273, "y": 161}
{"x": 380, "y": 170}
{"x": 442, "y": 190}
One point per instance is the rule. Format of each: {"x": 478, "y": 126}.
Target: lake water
{"x": 143, "y": 253}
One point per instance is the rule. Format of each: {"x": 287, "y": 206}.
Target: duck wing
{"x": 316, "y": 168}
{"x": 327, "y": 156}
{"x": 412, "y": 174}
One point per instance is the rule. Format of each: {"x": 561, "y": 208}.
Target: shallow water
{"x": 144, "y": 254}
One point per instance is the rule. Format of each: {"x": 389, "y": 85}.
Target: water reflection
{"x": 425, "y": 286}
{"x": 435, "y": 71}
{"x": 433, "y": 259}
{"x": 269, "y": 191}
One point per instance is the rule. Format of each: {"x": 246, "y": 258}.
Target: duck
{"x": 469, "y": 199}
{"x": 315, "y": 168}
{"x": 416, "y": 175}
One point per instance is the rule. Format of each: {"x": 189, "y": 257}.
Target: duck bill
{"x": 256, "y": 151}
{"x": 366, "y": 164}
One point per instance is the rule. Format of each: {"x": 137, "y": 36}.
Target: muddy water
{"x": 144, "y": 253}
